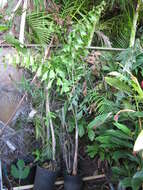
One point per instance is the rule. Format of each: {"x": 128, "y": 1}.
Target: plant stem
{"x": 76, "y": 148}
{"x": 51, "y": 127}
{"x": 134, "y": 26}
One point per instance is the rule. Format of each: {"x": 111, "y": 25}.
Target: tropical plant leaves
{"x": 137, "y": 180}
{"x": 42, "y": 27}
{"x": 20, "y": 171}
{"x": 123, "y": 128}
{"x": 118, "y": 84}
{"x": 99, "y": 120}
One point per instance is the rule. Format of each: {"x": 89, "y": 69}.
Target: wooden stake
{"x": 53, "y": 46}
{"x": 57, "y": 183}
{"x": 22, "y": 25}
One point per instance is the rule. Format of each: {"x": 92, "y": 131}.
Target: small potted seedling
{"x": 70, "y": 153}
{"x": 20, "y": 171}
{"x": 47, "y": 172}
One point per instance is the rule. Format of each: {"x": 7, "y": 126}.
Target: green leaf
{"x": 14, "y": 172}
{"x": 123, "y": 128}
{"x": 118, "y": 84}
{"x": 45, "y": 76}
{"x": 117, "y": 133}
{"x": 20, "y": 171}
{"x": 119, "y": 171}
{"x": 92, "y": 150}
{"x": 3, "y": 28}
{"x": 103, "y": 139}
{"x": 81, "y": 130}
{"x": 102, "y": 155}
{"x": 124, "y": 154}
{"x": 139, "y": 61}
{"x": 137, "y": 114}
{"x": 20, "y": 164}
{"x": 126, "y": 182}
{"x": 121, "y": 142}
{"x": 52, "y": 74}
{"x": 25, "y": 173}
{"x": 99, "y": 120}
{"x": 13, "y": 41}
{"x": 39, "y": 71}
{"x": 137, "y": 180}
{"x": 91, "y": 134}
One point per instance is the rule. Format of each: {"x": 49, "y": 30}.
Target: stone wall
{"x": 10, "y": 78}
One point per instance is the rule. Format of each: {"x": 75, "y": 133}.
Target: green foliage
{"x": 20, "y": 171}
{"x": 13, "y": 41}
{"x": 42, "y": 27}
{"x": 3, "y": 28}
{"x": 81, "y": 98}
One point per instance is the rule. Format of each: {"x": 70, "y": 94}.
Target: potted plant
{"x": 46, "y": 171}
{"x": 72, "y": 181}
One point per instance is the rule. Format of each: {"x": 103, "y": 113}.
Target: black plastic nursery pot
{"x": 44, "y": 179}
{"x": 73, "y": 183}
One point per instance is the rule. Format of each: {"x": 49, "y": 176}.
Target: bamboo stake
{"x": 57, "y": 183}
{"x": 134, "y": 26}
{"x": 53, "y": 46}
{"x": 22, "y": 25}
{"x": 75, "y": 162}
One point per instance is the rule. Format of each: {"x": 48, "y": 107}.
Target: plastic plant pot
{"x": 73, "y": 183}
{"x": 44, "y": 179}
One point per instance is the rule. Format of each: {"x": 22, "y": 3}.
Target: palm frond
{"x": 42, "y": 27}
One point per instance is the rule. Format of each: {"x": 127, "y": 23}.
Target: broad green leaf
{"x": 126, "y": 182}
{"x": 3, "y": 28}
{"x": 124, "y": 154}
{"x": 99, "y": 120}
{"x": 121, "y": 142}
{"x": 20, "y": 171}
{"x": 136, "y": 114}
{"x": 92, "y": 150}
{"x": 118, "y": 84}
{"x": 118, "y": 134}
{"x": 25, "y": 172}
{"x": 20, "y": 164}
{"x": 81, "y": 130}
{"x": 39, "y": 71}
{"x": 139, "y": 61}
{"x": 15, "y": 42}
{"x": 45, "y": 76}
{"x": 14, "y": 172}
{"x": 119, "y": 171}
{"x": 103, "y": 139}
{"x": 123, "y": 128}
{"x": 91, "y": 134}
{"x": 137, "y": 180}
{"x": 52, "y": 74}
